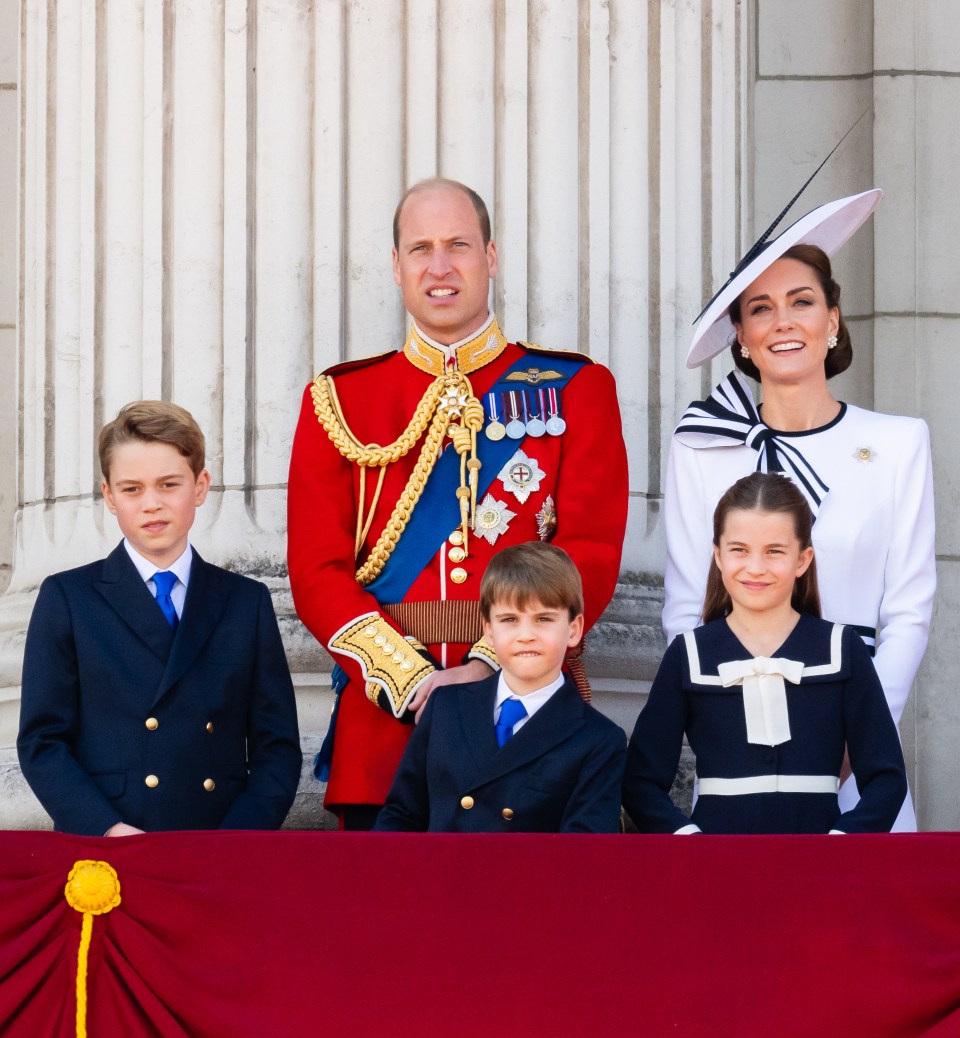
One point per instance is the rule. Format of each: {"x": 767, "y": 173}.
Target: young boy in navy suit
{"x": 519, "y": 751}
{"x": 156, "y": 693}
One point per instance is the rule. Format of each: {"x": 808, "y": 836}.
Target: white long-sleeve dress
{"x": 873, "y": 536}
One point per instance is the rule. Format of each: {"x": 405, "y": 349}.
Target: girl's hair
{"x": 764, "y": 492}
{"x": 838, "y": 359}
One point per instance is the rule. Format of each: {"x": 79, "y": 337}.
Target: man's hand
{"x": 122, "y": 829}
{"x": 475, "y": 670}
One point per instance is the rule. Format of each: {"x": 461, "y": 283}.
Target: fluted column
{"x": 207, "y": 196}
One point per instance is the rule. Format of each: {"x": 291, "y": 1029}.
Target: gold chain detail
{"x": 404, "y": 507}
{"x": 326, "y": 406}
{"x": 430, "y": 412}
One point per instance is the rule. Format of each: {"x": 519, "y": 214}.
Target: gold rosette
{"x": 93, "y": 888}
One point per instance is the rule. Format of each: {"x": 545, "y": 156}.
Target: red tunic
{"x": 585, "y": 473}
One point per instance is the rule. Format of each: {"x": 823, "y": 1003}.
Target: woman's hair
{"x": 838, "y": 359}
{"x": 764, "y": 492}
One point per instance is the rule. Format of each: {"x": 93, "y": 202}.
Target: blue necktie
{"x": 164, "y": 582}
{"x": 511, "y": 712}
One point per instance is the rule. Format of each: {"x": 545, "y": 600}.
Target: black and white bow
{"x": 729, "y": 414}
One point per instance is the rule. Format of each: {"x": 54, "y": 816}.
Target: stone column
{"x": 207, "y": 197}
{"x": 900, "y": 274}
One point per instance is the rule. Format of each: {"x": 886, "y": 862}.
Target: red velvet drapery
{"x": 225, "y": 935}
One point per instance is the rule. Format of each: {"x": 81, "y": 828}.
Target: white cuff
{"x": 688, "y": 830}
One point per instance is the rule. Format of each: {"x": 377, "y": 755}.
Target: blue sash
{"x": 437, "y": 513}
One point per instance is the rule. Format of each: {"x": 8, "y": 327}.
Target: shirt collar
{"x": 532, "y": 701}
{"x": 146, "y": 569}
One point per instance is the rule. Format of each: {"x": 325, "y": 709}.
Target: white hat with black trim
{"x": 828, "y": 226}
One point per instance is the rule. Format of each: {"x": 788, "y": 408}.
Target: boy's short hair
{"x": 532, "y": 572}
{"x": 153, "y": 421}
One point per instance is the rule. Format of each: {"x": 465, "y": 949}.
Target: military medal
{"x": 516, "y": 430}
{"x": 535, "y": 426}
{"x": 521, "y": 476}
{"x": 495, "y": 429}
{"x": 556, "y": 426}
{"x": 492, "y": 519}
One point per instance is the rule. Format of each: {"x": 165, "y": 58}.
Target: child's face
{"x": 530, "y": 643}
{"x": 154, "y": 495}
{"x": 760, "y": 558}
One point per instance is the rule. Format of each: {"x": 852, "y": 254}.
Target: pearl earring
{"x": 744, "y": 352}
{"x": 831, "y": 342}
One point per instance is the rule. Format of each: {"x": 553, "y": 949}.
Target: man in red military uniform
{"x": 412, "y": 468}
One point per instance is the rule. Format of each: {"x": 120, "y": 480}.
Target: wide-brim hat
{"x": 829, "y": 226}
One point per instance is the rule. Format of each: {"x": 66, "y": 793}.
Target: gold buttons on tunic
{"x": 152, "y": 781}
{"x": 456, "y": 554}
{"x": 456, "y": 537}
{"x": 458, "y": 575}
{"x": 209, "y": 785}
{"x": 466, "y": 803}
{"x": 152, "y": 723}
{"x": 209, "y": 726}
{"x": 507, "y": 813}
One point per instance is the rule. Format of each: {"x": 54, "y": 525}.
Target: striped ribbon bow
{"x": 729, "y": 413}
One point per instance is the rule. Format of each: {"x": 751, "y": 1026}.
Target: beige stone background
{"x": 195, "y": 203}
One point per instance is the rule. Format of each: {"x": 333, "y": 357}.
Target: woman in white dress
{"x": 866, "y": 475}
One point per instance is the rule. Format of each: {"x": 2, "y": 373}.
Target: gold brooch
{"x": 864, "y": 454}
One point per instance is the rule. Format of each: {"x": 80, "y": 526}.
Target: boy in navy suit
{"x": 156, "y": 693}
{"x": 519, "y": 751}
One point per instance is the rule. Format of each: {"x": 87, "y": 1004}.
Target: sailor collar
{"x": 471, "y": 354}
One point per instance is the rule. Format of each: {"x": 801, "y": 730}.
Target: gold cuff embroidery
{"x": 483, "y": 650}
{"x": 391, "y": 666}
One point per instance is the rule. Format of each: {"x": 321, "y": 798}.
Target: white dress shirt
{"x": 181, "y": 567}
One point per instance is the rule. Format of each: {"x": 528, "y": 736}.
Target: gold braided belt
{"x": 448, "y": 409}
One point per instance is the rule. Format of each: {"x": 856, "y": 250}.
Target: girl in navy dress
{"x": 768, "y": 694}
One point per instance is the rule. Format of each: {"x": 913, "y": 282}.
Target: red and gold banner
{"x": 270, "y": 935}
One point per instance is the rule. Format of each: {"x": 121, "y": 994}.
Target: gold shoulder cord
{"x": 448, "y": 399}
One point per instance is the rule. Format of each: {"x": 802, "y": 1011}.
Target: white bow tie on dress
{"x": 764, "y": 695}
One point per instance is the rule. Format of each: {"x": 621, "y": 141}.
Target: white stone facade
{"x": 196, "y": 199}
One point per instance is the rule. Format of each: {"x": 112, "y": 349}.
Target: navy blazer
{"x": 561, "y": 772}
{"x": 123, "y": 719}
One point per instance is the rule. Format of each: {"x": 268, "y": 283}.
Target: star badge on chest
{"x": 547, "y": 519}
{"x": 492, "y": 519}
{"x": 521, "y": 476}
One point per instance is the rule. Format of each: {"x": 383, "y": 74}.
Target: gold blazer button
{"x": 152, "y": 724}
{"x": 152, "y": 781}
{"x": 466, "y": 803}
{"x": 209, "y": 785}
{"x": 458, "y": 575}
{"x": 507, "y": 813}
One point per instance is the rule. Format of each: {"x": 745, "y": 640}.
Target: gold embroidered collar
{"x": 472, "y": 355}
